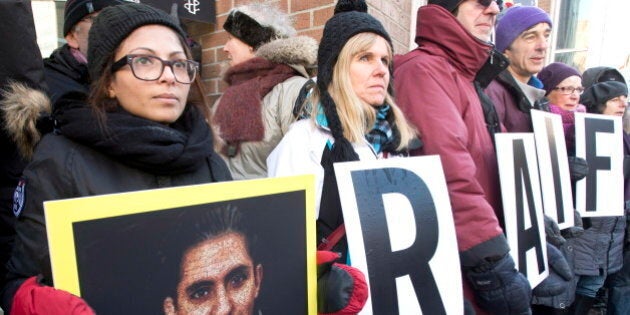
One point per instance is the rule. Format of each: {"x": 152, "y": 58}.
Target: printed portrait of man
{"x": 244, "y": 256}
{"x": 217, "y": 272}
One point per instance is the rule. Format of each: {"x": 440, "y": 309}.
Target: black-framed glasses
{"x": 150, "y": 68}
{"x": 487, "y": 3}
{"x": 569, "y": 89}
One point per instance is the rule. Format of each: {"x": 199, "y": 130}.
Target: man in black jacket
{"x": 66, "y": 68}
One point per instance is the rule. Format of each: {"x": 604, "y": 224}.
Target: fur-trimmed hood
{"x": 22, "y": 107}
{"x": 299, "y": 52}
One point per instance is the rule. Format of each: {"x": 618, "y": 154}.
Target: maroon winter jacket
{"x": 434, "y": 89}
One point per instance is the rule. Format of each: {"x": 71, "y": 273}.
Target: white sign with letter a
{"x": 400, "y": 233}
{"x": 522, "y": 205}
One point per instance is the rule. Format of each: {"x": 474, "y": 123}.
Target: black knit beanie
{"x": 75, "y": 10}
{"x": 449, "y": 5}
{"x": 114, "y": 24}
{"x": 599, "y": 93}
{"x": 350, "y": 18}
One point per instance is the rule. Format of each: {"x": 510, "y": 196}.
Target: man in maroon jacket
{"x": 436, "y": 90}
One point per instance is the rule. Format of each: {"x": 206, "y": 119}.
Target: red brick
{"x": 301, "y": 5}
{"x": 302, "y": 20}
{"x": 214, "y": 40}
{"x": 210, "y": 71}
{"x": 315, "y": 33}
{"x": 320, "y": 16}
{"x": 208, "y": 56}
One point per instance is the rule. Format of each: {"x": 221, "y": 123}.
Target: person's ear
{"x": 169, "y": 306}
{"x": 111, "y": 93}
{"x": 258, "y": 276}
{"x": 72, "y": 40}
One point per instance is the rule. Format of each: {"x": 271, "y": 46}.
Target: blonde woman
{"x": 353, "y": 118}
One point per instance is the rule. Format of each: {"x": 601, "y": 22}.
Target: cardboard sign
{"x": 126, "y": 253}
{"x": 401, "y": 234}
{"x": 196, "y": 10}
{"x": 599, "y": 140}
{"x": 553, "y": 166}
{"x": 522, "y": 204}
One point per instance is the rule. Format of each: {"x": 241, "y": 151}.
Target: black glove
{"x": 560, "y": 274}
{"x": 552, "y": 231}
{"x": 575, "y": 230}
{"x": 578, "y": 168}
{"x": 341, "y": 289}
{"x": 500, "y": 288}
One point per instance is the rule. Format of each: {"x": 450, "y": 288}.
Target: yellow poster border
{"x": 61, "y": 214}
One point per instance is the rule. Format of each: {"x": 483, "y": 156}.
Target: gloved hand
{"x": 575, "y": 230}
{"x": 560, "y": 274}
{"x": 552, "y": 231}
{"x": 341, "y": 289}
{"x": 33, "y": 298}
{"x": 499, "y": 288}
{"x": 578, "y": 168}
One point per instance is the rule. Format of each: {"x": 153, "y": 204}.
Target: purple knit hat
{"x": 515, "y": 21}
{"x": 555, "y": 73}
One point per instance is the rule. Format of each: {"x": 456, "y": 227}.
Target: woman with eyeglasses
{"x": 563, "y": 87}
{"x": 145, "y": 127}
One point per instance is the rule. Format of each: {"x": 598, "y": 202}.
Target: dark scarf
{"x": 140, "y": 143}
{"x": 239, "y": 112}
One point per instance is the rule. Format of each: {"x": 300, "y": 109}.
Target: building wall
{"x": 309, "y": 16}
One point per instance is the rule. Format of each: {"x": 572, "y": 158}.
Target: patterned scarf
{"x": 382, "y": 133}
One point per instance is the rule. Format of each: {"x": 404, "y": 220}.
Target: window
{"x": 591, "y": 33}
{"x": 48, "y": 16}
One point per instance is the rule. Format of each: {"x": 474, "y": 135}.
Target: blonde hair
{"x": 356, "y": 116}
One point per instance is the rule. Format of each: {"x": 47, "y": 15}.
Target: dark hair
{"x": 194, "y": 226}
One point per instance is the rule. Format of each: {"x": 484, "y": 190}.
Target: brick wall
{"x": 309, "y": 17}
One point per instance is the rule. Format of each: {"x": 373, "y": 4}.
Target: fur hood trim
{"x": 21, "y": 107}
{"x": 293, "y": 51}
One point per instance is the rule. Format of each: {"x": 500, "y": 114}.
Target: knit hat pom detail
{"x": 350, "y": 5}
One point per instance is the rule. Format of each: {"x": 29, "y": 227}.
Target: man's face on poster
{"x": 218, "y": 276}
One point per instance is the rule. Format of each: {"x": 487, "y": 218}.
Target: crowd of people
{"x": 120, "y": 107}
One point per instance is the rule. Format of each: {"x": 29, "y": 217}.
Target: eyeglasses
{"x": 150, "y": 68}
{"x": 569, "y": 89}
{"x": 486, "y": 3}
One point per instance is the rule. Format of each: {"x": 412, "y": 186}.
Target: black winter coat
{"x": 20, "y": 60}
{"x": 66, "y": 165}
{"x": 64, "y": 74}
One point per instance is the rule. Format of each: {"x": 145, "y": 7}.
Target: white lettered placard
{"x": 599, "y": 140}
{"x": 401, "y": 234}
{"x": 522, "y": 204}
{"x": 553, "y": 166}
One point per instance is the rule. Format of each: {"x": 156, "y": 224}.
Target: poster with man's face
{"x": 243, "y": 247}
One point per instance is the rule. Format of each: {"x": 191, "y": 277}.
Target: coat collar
{"x": 439, "y": 32}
